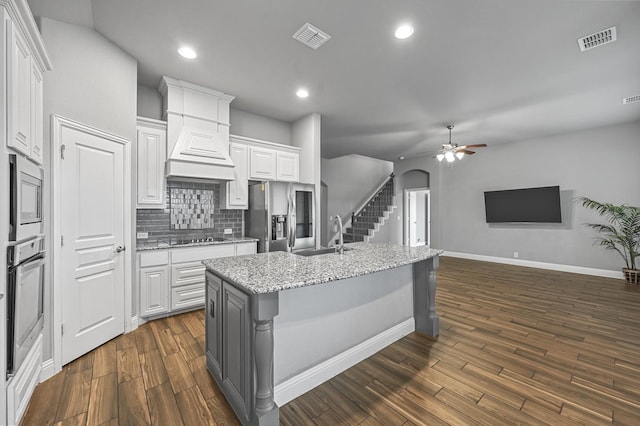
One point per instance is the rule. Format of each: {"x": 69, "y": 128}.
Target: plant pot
{"x": 631, "y": 275}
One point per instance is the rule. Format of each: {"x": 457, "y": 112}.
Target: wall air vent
{"x": 597, "y": 39}
{"x": 630, "y": 99}
{"x": 311, "y": 36}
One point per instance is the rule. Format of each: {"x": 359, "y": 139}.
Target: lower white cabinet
{"x": 174, "y": 279}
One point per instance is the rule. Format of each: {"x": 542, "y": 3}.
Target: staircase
{"x": 365, "y": 222}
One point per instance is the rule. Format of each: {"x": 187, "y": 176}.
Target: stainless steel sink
{"x": 315, "y": 252}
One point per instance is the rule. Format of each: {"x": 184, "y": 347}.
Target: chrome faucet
{"x": 337, "y": 219}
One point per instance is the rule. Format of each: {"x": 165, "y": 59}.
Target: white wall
{"x": 93, "y": 82}
{"x": 350, "y": 181}
{"x": 601, "y": 164}
{"x": 149, "y": 102}
{"x": 259, "y": 127}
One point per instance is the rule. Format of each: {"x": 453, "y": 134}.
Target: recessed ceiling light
{"x": 404, "y": 31}
{"x": 187, "y": 52}
{"x": 302, "y": 93}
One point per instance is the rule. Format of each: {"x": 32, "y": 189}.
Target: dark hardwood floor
{"x": 516, "y": 346}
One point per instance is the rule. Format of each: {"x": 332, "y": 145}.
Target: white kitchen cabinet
{"x": 262, "y": 163}
{"x": 154, "y": 282}
{"x": 235, "y": 194}
{"x": 154, "y": 290}
{"x": 173, "y": 280}
{"x": 288, "y": 166}
{"x": 151, "y": 149}
{"x": 24, "y": 96}
{"x": 272, "y": 161}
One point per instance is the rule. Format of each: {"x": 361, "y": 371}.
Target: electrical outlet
{"x": 142, "y": 235}
{"x": 516, "y": 255}
{"x": 228, "y": 231}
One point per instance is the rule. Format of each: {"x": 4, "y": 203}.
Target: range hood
{"x": 197, "y": 131}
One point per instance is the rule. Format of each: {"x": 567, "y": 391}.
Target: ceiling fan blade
{"x": 466, "y": 151}
{"x": 479, "y": 145}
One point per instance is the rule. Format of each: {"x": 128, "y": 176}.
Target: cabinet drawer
{"x": 188, "y": 296}
{"x": 202, "y": 253}
{"x": 154, "y": 258}
{"x": 187, "y": 273}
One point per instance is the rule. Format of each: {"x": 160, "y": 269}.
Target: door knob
{"x": 120, "y": 248}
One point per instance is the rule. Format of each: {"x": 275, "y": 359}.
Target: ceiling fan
{"x": 450, "y": 151}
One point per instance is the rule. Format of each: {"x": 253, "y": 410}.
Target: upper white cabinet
{"x": 262, "y": 163}
{"x": 151, "y": 152}
{"x": 26, "y": 61}
{"x": 272, "y": 161}
{"x": 235, "y": 193}
{"x": 288, "y": 167}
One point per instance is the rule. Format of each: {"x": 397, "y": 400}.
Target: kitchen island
{"x": 279, "y": 324}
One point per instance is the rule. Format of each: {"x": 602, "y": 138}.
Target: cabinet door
{"x": 154, "y": 290}
{"x": 18, "y": 91}
{"x": 237, "y": 191}
{"x": 37, "y": 136}
{"x": 262, "y": 163}
{"x": 236, "y": 359}
{"x": 152, "y": 153}
{"x": 288, "y": 166}
{"x": 213, "y": 322}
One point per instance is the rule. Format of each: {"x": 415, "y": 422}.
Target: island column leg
{"x": 426, "y": 319}
{"x": 265, "y": 307}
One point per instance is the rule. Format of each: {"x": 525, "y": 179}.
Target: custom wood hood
{"x": 197, "y": 131}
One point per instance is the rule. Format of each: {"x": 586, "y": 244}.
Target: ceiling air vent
{"x": 311, "y": 36}
{"x": 630, "y": 99}
{"x": 597, "y": 39}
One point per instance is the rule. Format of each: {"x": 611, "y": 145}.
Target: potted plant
{"x": 621, "y": 234}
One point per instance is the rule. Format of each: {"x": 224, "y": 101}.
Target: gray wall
{"x": 259, "y": 127}
{"x": 350, "y": 181}
{"x": 149, "y": 102}
{"x": 93, "y": 82}
{"x": 600, "y": 163}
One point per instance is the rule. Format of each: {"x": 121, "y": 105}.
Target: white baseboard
{"x": 541, "y": 265}
{"x": 48, "y": 370}
{"x": 309, "y": 379}
{"x": 134, "y": 322}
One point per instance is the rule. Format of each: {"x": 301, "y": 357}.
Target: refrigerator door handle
{"x": 292, "y": 220}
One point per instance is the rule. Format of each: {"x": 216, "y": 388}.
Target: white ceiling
{"x": 499, "y": 70}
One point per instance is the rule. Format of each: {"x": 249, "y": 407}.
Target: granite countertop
{"x": 162, "y": 245}
{"x": 271, "y": 272}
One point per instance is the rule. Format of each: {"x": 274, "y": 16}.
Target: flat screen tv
{"x": 541, "y": 205}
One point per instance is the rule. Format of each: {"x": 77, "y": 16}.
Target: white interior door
{"x": 417, "y": 217}
{"x": 92, "y": 229}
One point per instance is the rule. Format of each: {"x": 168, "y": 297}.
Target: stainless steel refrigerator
{"x": 281, "y": 215}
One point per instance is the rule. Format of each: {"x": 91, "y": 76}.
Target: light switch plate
{"x": 142, "y": 235}
{"x": 228, "y": 231}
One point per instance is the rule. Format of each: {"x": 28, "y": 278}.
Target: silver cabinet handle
{"x": 120, "y": 248}
{"x": 1, "y": 296}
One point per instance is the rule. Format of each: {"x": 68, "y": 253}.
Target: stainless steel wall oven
{"x": 25, "y": 304}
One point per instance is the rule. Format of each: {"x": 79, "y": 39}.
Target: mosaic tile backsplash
{"x": 161, "y": 226}
{"x": 191, "y": 208}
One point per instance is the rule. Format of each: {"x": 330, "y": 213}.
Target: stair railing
{"x": 349, "y": 223}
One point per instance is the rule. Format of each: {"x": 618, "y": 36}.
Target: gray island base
{"x": 279, "y": 324}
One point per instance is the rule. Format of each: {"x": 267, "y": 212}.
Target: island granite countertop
{"x": 276, "y": 271}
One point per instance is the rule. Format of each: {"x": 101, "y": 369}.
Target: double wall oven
{"x": 25, "y": 260}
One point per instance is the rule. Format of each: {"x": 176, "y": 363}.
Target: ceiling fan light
{"x": 440, "y": 157}
{"x": 459, "y": 155}
{"x": 449, "y": 156}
